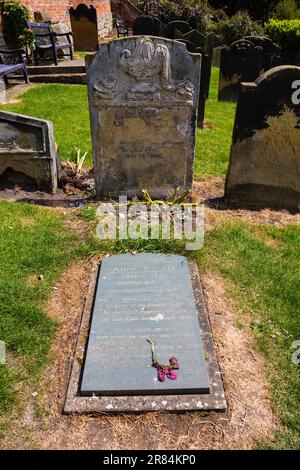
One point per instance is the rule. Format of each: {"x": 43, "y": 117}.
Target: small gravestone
{"x": 264, "y": 166}
{"x": 216, "y": 56}
{"x": 140, "y": 297}
{"x": 203, "y": 44}
{"x": 271, "y": 52}
{"x": 27, "y": 146}
{"x": 143, "y": 99}
{"x": 177, "y": 25}
{"x": 241, "y": 62}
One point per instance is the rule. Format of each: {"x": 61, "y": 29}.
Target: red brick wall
{"x": 126, "y": 10}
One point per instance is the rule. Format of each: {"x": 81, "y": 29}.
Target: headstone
{"x": 27, "y": 145}
{"x": 177, "y": 25}
{"x": 204, "y": 78}
{"x": 143, "y": 99}
{"x": 204, "y": 86}
{"x": 189, "y": 45}
{"x": 147, "y": 26}
{"x": 203, "y": 44}
{"x": 60, "y": 28}
{"x": 84, "y": 28}
{"x": 264, "y": 166}
{"x": 140, "y": 297}
{"x": 241, "y": 62}
{"x": 271, "y": 52}
{"x": 216, "y": 57}
{"x": 195, "y": 37}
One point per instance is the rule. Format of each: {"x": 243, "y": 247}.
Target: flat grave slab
{"x": 133, "y": 298}
{"x": 140, "y": 297}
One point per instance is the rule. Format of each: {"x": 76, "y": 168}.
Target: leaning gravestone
{"x": 241, "y": 62}
{"x": 147, "y": 25}
{"x": 204, "y": 86}
{"x": 177, "y": 25}
{"x": 195, "y": 37}
{"x": 27, "y": 145}
{"x": 143, "y": 99}
{"x": 264, "y": 166}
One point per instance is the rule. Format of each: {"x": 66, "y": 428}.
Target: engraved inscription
{"x": 123, "y": 319}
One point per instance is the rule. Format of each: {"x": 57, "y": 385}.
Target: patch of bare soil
{"x": 248, "y": 419}
{"x": 74, "y": 188}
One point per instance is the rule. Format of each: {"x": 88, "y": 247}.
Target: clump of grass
{"x": 266, "y": 280}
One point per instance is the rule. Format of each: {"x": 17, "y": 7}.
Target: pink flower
{"x": 171, "y": 374}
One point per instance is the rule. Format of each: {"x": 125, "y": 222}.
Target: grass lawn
{"x": 260, "y": 264}
{"x": 66, "y": 106}
{"x": 262, "y": 267}
{"x": 213, "y": 143}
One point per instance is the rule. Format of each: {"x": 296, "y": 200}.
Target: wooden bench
{"x": 11, "y": 61}
{"x": 46, "y": 40}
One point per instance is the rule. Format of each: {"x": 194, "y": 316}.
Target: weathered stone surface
{"x": 140, "y": 297}
{"x": 241, "y": 62}
{"x": 216, "y": 56}
{"x": 264, "y": 166}
{"x": 27, "y": 145}
{"x": 215, "y": 400}
{"x": 143, "y": 99}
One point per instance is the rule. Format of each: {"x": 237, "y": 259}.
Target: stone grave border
{"x": 215, "y": 401}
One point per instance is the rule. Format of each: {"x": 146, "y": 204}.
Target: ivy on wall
{"x": 15, "y": 29}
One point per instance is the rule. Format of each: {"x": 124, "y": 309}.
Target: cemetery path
{"x": 249, "y": 417}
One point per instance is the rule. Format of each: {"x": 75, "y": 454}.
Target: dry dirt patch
{"x": 211, "y": 190}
